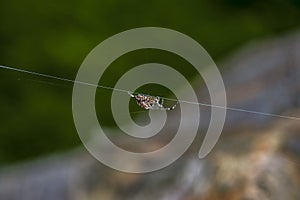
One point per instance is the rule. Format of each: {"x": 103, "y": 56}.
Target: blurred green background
{"x": 53, "y": 37}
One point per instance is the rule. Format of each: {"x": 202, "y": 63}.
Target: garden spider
{"x": 150, "y": 102}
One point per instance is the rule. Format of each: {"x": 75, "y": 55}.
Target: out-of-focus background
{"x": 256, "y": 45}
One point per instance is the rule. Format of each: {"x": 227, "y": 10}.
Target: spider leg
{"x": 162, "y": 101}
{"x": 130, "y": 94}
{"x": 171, "y": 108}
{"x": 158, "y": 103}
{"x": 162, "y": 108}
{"x": 174, "y": 106}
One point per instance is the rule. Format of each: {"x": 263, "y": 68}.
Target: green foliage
{"x": 54, "y": 37}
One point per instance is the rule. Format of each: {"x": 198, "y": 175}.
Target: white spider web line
{"x": 170, "y": 99}
{"x": 61, "y": 78}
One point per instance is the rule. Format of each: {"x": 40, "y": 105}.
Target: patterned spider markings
{"x": 149, "y": 102}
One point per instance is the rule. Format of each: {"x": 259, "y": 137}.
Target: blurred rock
{"x": 264, "y": 76}
{"x": 244, "y": 165}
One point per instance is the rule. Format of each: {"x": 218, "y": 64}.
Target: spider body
{"x": 149, "y": 102}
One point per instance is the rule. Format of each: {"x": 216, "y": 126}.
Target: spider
{"x": 151, "y": 102}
